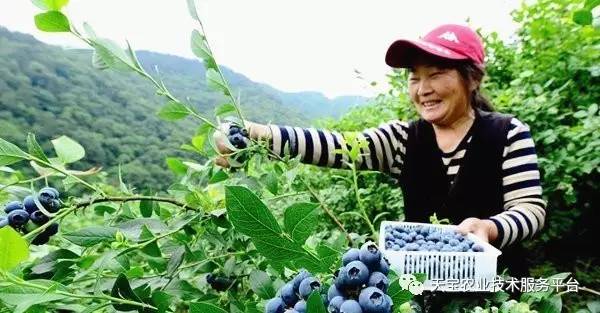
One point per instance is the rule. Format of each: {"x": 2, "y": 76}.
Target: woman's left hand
{"x": 484, "y": 229}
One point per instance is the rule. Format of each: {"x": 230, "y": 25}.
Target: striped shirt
{"x": 524, "y": 209}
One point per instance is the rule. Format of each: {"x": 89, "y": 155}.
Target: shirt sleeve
{"x": 385, "y": 151}
{"x": 524, "y": 209}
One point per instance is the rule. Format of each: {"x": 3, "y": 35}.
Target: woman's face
{"x": 439, "y": 95}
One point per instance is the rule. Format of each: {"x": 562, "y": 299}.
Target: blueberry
{"x": 288, "y": 295}
{"x": 477, "y": 248}
{"x": 413, "y": 234}
{"x": 396, "y": 233}
{"x": 396, "y": 247}
{"x": 275, "y": 305}
{"x": 18, "y": 218}
{"x": 389, "y": 300}
{"x": 412, "y": 247}
{"x": 29, "y": 204}
{"x": 237, "y": 140}
{"x": 388, "y": 244}
{"x": 350, "y": 306}
{"x": 379, "y": 280}
{"x": 370, "y": 255}
{"x": 439, "y": 245}
{"x": 45, "y": 235}
{"x": 307, "y": 286}
{"x": 373, "y": 300}
{"x": 335, "y": 304}
{"x": 234, "y": 129}
{"x": 400, "y": 242}
{"x": 333, "y": 292}
{"x": 299, "y": 278}
{"x": 300, "y": 306}
{"x": 13, "y": 205}
{"x": 355, "y": 274}
{"x": 39, "y": 218}
{"x": 453, "y": 242}
{"x": 49, "y": 192}
{"x": 419, "y": 237}
{"x": 384, "y": 266}
{"x": 52, "y": 206}
{"x": 350, "y": 255}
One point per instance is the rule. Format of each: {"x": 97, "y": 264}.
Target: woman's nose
{"x": 424, "y": 88}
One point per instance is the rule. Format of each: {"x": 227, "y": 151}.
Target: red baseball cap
{"x": 448, "y": 41}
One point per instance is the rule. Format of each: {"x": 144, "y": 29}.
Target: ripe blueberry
{"x": 299, "y": 278}
{"x": 384, "y": 265}
{"x": 29, "y": 204}
{"x": 370, "y": 255}
{"x": 288, "y": 295}
{"x": 333, "y": 292}
{"x": 477, "y": 248}
{"x": 45, "y": 235}
{"x": 350, "y": 255}
{"x": 355, "y": 274}
{"x": 49, "y": 192}
{"x": 373, "y": 300}
{"x": 350, "y": 306}
{"x": 39, "y": 218}
{"x": 18, "y": 218}
{"x": 335, "y": 304}
{"x": 379, "y": 280}
{"x": 238, "y": 141}
{"x": 300, "y": 306}
{"x": 275, "y": 305}
{"x": 13, "y": 205}
{"x": 308, "y": 285}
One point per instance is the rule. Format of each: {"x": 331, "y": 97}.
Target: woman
{"x": 460, "y": 160}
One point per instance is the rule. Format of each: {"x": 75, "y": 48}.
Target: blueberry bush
{"x": 271, "y": 235}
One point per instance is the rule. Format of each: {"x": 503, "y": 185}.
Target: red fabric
{"x": 448, "y": 41}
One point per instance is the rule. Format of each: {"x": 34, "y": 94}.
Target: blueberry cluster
{"x": 238, "y": 136}
{"x": 294, "y": 294}
{"x": 19, "y": 214}
{"x": 361, "y": 284}
{"x": 425, "y": 238}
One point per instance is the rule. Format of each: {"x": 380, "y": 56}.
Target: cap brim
{"x": 401, "y": 53}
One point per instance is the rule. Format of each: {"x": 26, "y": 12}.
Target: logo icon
{"x": 450, "y": 36}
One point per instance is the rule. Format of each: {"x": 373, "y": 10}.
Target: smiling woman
{"x": 460, "y": 160}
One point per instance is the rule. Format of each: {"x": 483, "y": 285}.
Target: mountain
{"x": 52, "y": 91}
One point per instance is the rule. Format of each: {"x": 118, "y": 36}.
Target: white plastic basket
{"x": 446, "y": 271}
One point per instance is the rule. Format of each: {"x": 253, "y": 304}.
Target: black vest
{"x": 477, "y": 189}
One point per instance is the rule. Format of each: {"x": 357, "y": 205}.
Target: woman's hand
{"x": 484, "y": 229}
{"x": 255, "y": 131}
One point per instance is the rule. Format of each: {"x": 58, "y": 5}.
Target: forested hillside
{"x": 51, "y": 91}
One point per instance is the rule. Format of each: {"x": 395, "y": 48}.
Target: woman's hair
{"x": 469, "y": 73}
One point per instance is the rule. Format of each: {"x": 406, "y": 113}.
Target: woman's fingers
{"x": 476, "y": 226}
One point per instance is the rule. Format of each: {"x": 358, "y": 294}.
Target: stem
{"x": 286, "y": 195}
{"x": 359, "y": 201}
{"x": 64, "y": 172}
{"x": 20, "y": 282}
{"x": 327, "y": 210}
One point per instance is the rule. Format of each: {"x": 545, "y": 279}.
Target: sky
{"x": 308, "y": 45}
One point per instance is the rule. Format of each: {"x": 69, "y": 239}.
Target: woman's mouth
{"x": 430, "y": 104}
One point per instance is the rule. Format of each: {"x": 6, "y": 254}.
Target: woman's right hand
{"x": 255, "y": 131}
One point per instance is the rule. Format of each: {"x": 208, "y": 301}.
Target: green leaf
{"x": 594, "y": 306}
{"x": 215, "y": 82}
{"x": 398, "y": 294}
{"x": 35, "y": 149}
{"x": 300, "y": 220}
{"x": 192, "y": 10}
{"x": 591, "y": 4}
{"x": 23, "y": 297}
{"x": 13, "y": 248}
{"x": 201, "y": 50}
{"x": 219, "y": 176}
{"x": 67, "y": 149}
{"x": 252, "y": 217}
{"x": 9, "y": 153}
{"x": 52, "y": 21}
{"x": 583, "y": 17}
{"x": 328, "y": 256}
{"x": 110, "y": 54}
{"x": 122, "y": 289}
{"x": 262, "y": 285}
{"x": 176, "y": 260}
{"x": 176, "y": 166}
{"x": 50, "y": 4}
{"x": 146, "y": 208}
{"x": 270, "y": 181}
{"x": 173, "y": 111}
{"x": 101, "y": 209}
{"x": 161, "y": 300}
{"x": 314, "y": 303}
{"x": 224, "y": 109}
{"x": 151, "y": 248}
{"x": 550, "y": 305}
{"x": 203, "y": 307}
{"x": 89, "y": 236}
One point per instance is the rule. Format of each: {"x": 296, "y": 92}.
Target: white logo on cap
{"x": 450, "y": 36}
